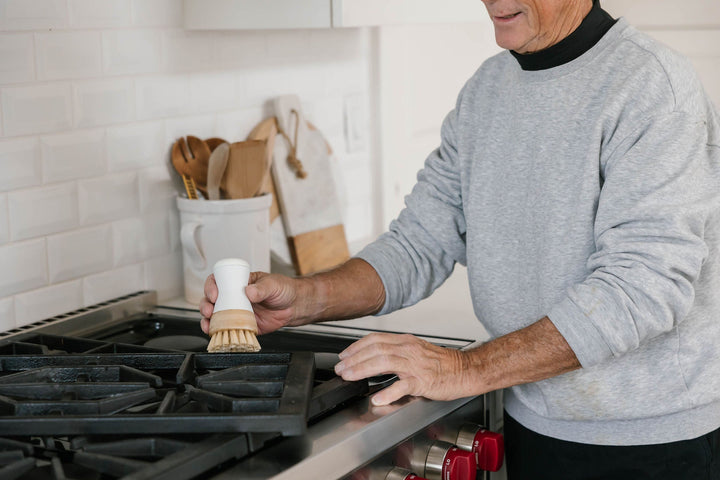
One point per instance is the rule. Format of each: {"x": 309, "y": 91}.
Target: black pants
{"x": 531, "y": 456}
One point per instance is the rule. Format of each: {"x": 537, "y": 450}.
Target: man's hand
{"x": 533, "y": 353}
{"x": 275, "y": 300}
{"x": 351, "y": 290}
{"x": 423, "y": 369}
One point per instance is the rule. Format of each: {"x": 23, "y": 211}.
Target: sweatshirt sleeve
{"x": 661, "y": 187}
{"x": 420, "y": 249}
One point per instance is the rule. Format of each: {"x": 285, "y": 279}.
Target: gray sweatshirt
{"x": 588, "y": 193}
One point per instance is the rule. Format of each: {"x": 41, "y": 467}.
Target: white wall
{"x": 92, "y": 95}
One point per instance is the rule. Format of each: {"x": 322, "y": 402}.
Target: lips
{"x": 507, "y": 17}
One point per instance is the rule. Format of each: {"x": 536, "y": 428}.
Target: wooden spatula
{"x": 246, "y": 168}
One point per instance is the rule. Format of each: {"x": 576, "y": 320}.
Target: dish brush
{"x": 233, "y": 327}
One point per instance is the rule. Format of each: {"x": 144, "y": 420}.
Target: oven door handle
{"x": 191, "y": 245}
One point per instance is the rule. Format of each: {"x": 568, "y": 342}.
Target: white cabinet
{"x": 272, "y": 14}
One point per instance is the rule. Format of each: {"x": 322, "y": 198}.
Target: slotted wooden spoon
{"x": 190, "y": 157}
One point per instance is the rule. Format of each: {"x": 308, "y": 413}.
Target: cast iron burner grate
{"x": 147, "y": 393}
{"x": 89, "y": 458}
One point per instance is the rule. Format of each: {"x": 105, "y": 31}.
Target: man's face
{"x": 532, "y": 25}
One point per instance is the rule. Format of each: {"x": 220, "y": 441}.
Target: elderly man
{"x": 579, "y": 179}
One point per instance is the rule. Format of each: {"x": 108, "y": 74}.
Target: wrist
{"x": 310, "y": 300}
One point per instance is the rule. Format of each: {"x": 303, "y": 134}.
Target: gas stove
{"x": 126, "y": 390}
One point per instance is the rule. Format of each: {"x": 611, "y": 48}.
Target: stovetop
{"x": 139, "y": 397}
{"x": 125, "y": 390}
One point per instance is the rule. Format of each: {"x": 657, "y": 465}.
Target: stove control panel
{"x": 454, "y": 447}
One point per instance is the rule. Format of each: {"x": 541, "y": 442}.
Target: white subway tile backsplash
{"x": 137, "y": 239}
{"x": 261, "y": 84}
{"x": 37, "y": 109}
{"x": 25, "y": 266}
{"x": 7, "y": 314}
{"x": 47, "y": 302}
{"x": 128, "y": 241}
{"x": 104, "y": 102}
{"x": 63, "y": 55}
{"x": 327, "y": 115}
{"x": 92, "y": 173}
{"x": 33, "y": 15}
{"x": 16, "y": 51}
{"x": 157, "y": 191}
{"x": 164, "y": 274}
{"x": 112, "y": 284}
{"x": 159, "y": 97}
{"x": 201, "y": 126}
{"x": 236, "y": 125}
{"x": 157, "y": 233}
{"x": 99, "y": 13}
{"x": 72, "y": 156}
{"x": 42, "y": 211}
{"x": 289, "y": 45}
{"x": 109, "y": 198}
{"x": 213, "y": 92}
{"x": 127, "y": 52}
{"x": 4, "y": 228}
{"x": 242, "y": 48}
{"x": 20, "y": 163}
{"x": 136, "y": 146}
{"x": 78, "y": 253}
{"x": 157, "y": 13}
{"x": 191, "y": 51}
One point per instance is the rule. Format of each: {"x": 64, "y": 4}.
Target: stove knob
{"x": 488, "y": 447}
{"x": 448, "y": 462}
{"x": 402, "y": 474}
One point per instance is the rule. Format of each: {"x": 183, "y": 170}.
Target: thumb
{"x": 261, "y": 289}
{"x": 392, "y": 393}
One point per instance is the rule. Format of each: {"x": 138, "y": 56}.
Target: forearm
{"x": 528, "y": 355}
{"x": 353, "y": 289}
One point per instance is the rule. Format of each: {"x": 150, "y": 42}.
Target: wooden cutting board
{"x": 309, "y": 207}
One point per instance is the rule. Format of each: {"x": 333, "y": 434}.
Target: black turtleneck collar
{"x": 591, "y": 30}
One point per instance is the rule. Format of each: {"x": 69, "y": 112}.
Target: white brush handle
{"x": 231, "y": 276}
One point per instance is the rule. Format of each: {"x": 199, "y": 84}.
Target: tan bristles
{"x": 233, "y": 331}
{"x": 226, "y": 341}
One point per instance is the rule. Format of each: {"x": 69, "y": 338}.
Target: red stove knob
{"x": 402, "y": 474}
{"x": 448, "y": 462}
{"x": 488, "y": 447}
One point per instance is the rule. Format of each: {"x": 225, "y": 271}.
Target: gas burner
{"x": 185, "y": 343}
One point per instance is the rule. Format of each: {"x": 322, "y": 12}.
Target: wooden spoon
{"x": 214, "y": 142}
{"x": 197, "y": 155}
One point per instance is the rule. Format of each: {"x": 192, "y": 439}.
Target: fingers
{"x": 374, "y": 354}
{"x": 211, "y": 290}
{"x": 391, "y": 394}
{"x": 423, "y": 369}
{"x": 205, "y": 325}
